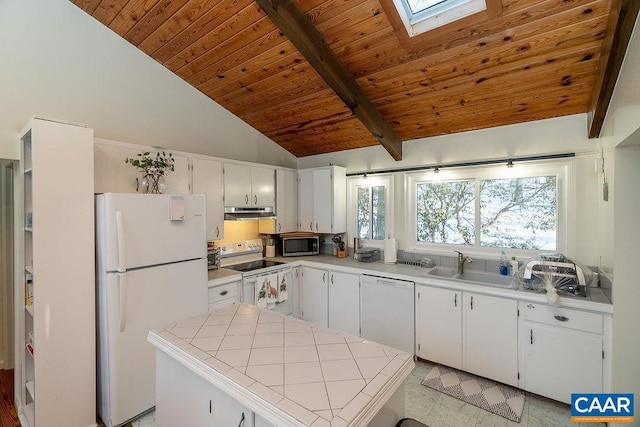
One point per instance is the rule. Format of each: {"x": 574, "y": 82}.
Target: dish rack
{"x": 566, "y": 277}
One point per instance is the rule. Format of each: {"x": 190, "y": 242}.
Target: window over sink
{"x": 521, "y": 208}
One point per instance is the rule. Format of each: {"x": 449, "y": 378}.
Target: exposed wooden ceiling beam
{"x": 303, "y": 35}
{"x": 619, "y": 29}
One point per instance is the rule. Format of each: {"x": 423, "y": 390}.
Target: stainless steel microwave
{"x": 300, "y": 245}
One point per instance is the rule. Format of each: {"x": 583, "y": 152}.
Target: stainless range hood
{"x": 248, "y": 213}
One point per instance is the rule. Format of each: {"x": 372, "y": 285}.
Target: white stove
{"x": 245, "y": 256}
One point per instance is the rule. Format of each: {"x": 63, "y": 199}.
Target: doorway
{"x": 7, "y": 170}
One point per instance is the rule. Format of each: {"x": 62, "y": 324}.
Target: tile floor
{"x": 439, "y": 410}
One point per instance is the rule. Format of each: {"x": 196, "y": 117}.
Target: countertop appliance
{"x": 300, "y": 245}
{"x": 151, "y": 270}
{"x": 265, "y": 283}
{"x": 387, "y": 312}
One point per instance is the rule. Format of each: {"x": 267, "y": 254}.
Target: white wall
{"x": 553, "y": 136}
{"x": 59, "y": 62}
{"x": 564, "y": 134}
{"x": 620, "y": 218}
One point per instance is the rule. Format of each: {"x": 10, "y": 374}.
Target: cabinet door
{"x": 263, "y": 186}
{"x": 344, "y": 302}
{"x": 237, "y": 185}
{"x": 186, "y": 399}
{"x": 491, "y": 337}
{"x": 439, "y": 325}
{"x": 286, "y": 201}
{"x": 296, "y": 286}
{"x": 322, "y": 201}
{"x": 207, "y": 180}
{"x": 111, "y": 173}
{"x": 558, "y": 362}
{"x": 314, "y": 296}
{"x": 178, "y": 180}
{"x": 305, "y": 201}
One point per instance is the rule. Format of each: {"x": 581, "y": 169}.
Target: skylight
{"x": 419, "y": 16}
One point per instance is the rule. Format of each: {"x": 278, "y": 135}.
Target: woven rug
{"x": 491, "y": 396}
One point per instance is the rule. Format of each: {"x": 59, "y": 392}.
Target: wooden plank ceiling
{"x": 532, "y": 60}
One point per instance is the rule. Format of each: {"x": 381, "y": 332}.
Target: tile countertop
{"x": 596, "y": 301}
{"x": 289, "y": 371}
{"x": 222, "y": 276}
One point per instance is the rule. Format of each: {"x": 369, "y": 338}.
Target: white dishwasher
{"x": 387, "y": 312}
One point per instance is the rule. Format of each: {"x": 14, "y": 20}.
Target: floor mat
{"x": 491, "y": 396}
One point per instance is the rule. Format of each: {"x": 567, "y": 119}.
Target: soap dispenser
{"x": 504, "y": 268}
{"x": 513, "y": 266}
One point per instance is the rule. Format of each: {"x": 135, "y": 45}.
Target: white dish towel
{"x": 282, "y": 287}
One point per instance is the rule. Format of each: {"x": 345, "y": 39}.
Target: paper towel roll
{"x": 390, "y": 249}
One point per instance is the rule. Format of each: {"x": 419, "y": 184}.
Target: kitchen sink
{"x": 476, "y": 276}
{"x": 486, "y": 278}
{"x": 442, "y": 272}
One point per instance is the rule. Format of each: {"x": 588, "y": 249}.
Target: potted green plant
{"x": 153, "y": 170}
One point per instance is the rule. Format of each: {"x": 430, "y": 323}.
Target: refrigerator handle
{"x": 121, "y": 245}
{"x": 122, "y": 282}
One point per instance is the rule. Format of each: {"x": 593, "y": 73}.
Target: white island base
{"x": 244, "y": 366}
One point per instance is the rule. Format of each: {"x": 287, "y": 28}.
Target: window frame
{"x": 385, "y": 180}
{"x": 437, "y": 15}
{"x": 562, "y": 170}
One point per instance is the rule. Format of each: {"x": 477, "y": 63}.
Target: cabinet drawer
{"x": 218, "y": 293}
{"x": 567, "y": 318}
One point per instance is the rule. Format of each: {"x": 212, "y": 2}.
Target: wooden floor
{"x": 8, "y": 417}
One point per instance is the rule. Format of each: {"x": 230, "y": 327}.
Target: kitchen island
{"x": 246, "y": 366}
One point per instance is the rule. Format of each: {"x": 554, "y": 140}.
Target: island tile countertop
{"x": 288, "y": 371}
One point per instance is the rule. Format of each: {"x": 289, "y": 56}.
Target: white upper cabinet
{"x": 248, "y": 186}
{"x": 322, "y": 200}
{"x": 305, "y": 201}
{"x": 114, "y": 175}
{"x": 286, "y": 204}
{"x": 207, "y": 180}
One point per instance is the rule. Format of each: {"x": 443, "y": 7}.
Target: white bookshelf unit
{"x": 55, "y": 280}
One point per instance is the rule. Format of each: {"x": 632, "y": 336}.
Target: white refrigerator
{"x": 151, "y": 254}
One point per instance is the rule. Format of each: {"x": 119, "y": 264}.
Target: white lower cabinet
{"x": 344, "y": 302}
{"x": 562, "y": 351}
{"x": 468, "y": 331}
{"x": 330, "y": 299}
{"x": 314, "y": 296}
{"x": 223, "y": 294}
{"x": 490, "y": 336}
{"x": 184, "y": 398}
{"x": 439, "y": 325}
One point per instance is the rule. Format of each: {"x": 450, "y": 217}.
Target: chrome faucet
{"x": 461, "y": 260}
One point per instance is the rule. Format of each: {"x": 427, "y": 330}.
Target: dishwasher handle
{"x": 380, "y": 281}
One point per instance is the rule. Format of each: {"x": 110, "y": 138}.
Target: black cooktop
{"x": 253, "y": 265}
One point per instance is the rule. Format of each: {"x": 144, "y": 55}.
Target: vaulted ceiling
{"x": 519, "y": 61}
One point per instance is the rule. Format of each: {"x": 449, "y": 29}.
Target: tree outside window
{"x": 519, "y": 213}
{"x": 446, "y": 212}
{"x": 370, "y": 220}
